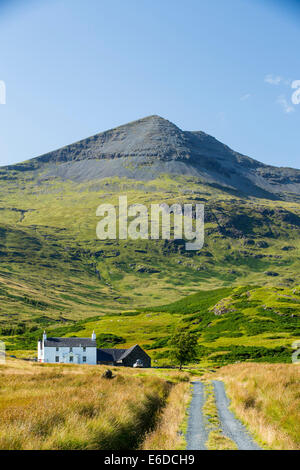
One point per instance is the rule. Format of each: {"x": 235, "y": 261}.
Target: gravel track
{"x": 197, "y": 434}
{"x": 231, "y": 427}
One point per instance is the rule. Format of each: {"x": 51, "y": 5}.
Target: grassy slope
{"x": 67, "y": 407}
{"x": 242, "y": 323}
{"x": 53, "y": 270}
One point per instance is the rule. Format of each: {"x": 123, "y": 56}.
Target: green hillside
{"x": 232, "y": 324}
{"x": 55, "y": 273}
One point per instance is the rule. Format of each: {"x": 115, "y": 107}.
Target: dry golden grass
{"x": 73, "y": 407}
{"x": 168, "y": 433}
{"x": 266, "y": 397}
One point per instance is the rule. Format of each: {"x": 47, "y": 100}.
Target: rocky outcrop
{"x": 152, "y": 146}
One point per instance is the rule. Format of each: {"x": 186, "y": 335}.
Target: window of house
{"x": 84, "y": 359}
{"x": 56, "y": 358}
{"x": 57, "y": 349}
{"x": 84, "y": 348}
{"x": 71, "y": 358}
{"x": 71, "y": 349}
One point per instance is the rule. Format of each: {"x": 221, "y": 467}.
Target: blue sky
{"x": 73, "y": 68}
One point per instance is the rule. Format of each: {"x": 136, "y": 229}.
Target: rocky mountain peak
{"x": 152, "y": 146}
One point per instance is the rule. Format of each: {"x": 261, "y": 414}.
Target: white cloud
{"x": 296, "y": 94}
{"x": 245, "y": 97}
{"x": 286, "y": 106}
{"x": 273, "y": 80}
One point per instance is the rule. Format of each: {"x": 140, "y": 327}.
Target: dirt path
{"x": 197, "y": 432}
{"x": 196, "y": 435}
{"x": 231, "y": 427}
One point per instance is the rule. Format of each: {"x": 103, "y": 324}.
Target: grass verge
{"x": 168, "y": 434}
{"x": 266, "y": 398}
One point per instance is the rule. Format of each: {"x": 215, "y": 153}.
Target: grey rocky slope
{"x": 152, "y": 146}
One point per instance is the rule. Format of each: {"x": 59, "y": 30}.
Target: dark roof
{"x": 128, "y": 351}
{"x": 70, "y": 342}
{"x": 103, "y": 356}
{"x": 113, "y": 355}
{"x": 110, "y": 354}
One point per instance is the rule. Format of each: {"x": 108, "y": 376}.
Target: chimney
{"x": 44, "y": 336}
{"x": 94, "y": 336}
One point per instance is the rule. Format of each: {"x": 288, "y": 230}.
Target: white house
{"x": 68, "y": 350}
{"x": 84, "y": 351}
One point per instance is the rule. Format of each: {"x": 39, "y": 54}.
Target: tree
{"x": 184, "y": 347}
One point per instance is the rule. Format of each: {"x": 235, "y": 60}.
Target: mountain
{"x": 147, "y": 148}
{"x": 56, "y": 274}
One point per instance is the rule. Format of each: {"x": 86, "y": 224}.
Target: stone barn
{"x": 124, "y": 357}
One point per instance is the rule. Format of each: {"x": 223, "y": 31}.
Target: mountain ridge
{"x": 151, "y": 146}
